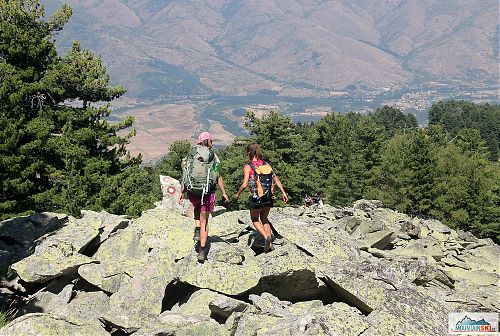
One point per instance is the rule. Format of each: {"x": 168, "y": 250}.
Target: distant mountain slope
{"x": 160, "y": 48}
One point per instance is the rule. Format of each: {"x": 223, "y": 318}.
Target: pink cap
{"x": 204, "y": 136}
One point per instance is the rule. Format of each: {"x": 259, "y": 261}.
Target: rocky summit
{"x": 362, "y": 270}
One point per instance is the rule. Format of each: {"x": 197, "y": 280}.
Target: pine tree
{"x": 466, "y": 186}
{"x": 170, "y": 165}
{"x": 345, "y": 151}
{"x": 233, "y": 159}
{"x": 58, "y": 152}
{"x": 454, "y": 116}
{"x": 405, "y": 176}
{"x": 393, "y": 120}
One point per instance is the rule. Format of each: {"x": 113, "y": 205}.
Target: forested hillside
{"x": 59, "y": 153}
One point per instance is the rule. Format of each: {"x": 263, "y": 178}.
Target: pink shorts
{"x": 208, "y": 201}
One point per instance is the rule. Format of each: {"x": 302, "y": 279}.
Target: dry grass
{"x": 158, "y": 126}
{"x": 221, "y": 136}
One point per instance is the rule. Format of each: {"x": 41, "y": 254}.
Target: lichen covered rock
{"x": 122, "y": 256}
{"x": 140, "y": 300}
{"x": 360, "y": 271}
{"x": 37, "y": 324}
{"x": 227, "y": 270}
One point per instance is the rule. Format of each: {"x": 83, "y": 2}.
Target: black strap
{"x": 253, "y": 166}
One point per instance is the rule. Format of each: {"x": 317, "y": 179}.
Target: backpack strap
{"x": 251, "y": 165}
{"x": 254, "y": 168}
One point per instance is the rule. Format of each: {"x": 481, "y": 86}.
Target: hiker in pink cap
{"x": 204, "y": 136}
{"x": 200, "y": 177}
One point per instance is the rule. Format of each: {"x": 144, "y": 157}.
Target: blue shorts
{"x": 255, "y": 203}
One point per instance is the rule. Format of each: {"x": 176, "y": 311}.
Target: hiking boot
{"x": 268, "y": 246}
{"x": 196, "y": 236}
{"x": 202, "y": 255}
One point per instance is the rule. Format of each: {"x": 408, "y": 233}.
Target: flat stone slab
{"x": 54, "y": 261}
{"x": 228, "y": 270}
{"x": 169, "y": 323}
{"x": 205, "y": 302}
{"x": 324, "y": 245}
{"x": 59, "y": 253}
{"x": 289, "y": 274}
{"x": 140, "y": 300}
{"x": 37, "y": 324}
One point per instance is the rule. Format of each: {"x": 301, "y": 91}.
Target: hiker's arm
{"x": 220, "y": 182}
{"x": 284, "y": 196}
{"x": 246, "y": 177}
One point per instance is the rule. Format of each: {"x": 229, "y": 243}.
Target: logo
{"x": 473, "y": 323}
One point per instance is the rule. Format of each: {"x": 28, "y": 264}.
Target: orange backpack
{"x": 263, "y": 180}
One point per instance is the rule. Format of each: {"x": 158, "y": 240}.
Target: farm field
{"x": 158, "y": 126}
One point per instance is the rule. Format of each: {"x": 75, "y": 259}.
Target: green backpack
{"x": 200, "y": 171}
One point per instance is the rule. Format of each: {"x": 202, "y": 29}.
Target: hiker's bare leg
{"x": 264, "y": 214}
{"x": 204, "y": 228}
{"x": 197, "y": 211}
{"x": 254, "y": 215}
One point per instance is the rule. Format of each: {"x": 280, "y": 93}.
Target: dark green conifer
{"x": 58, "y": 152}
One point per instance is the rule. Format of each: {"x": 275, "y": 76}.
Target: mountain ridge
{"x": 242, "y": 47}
